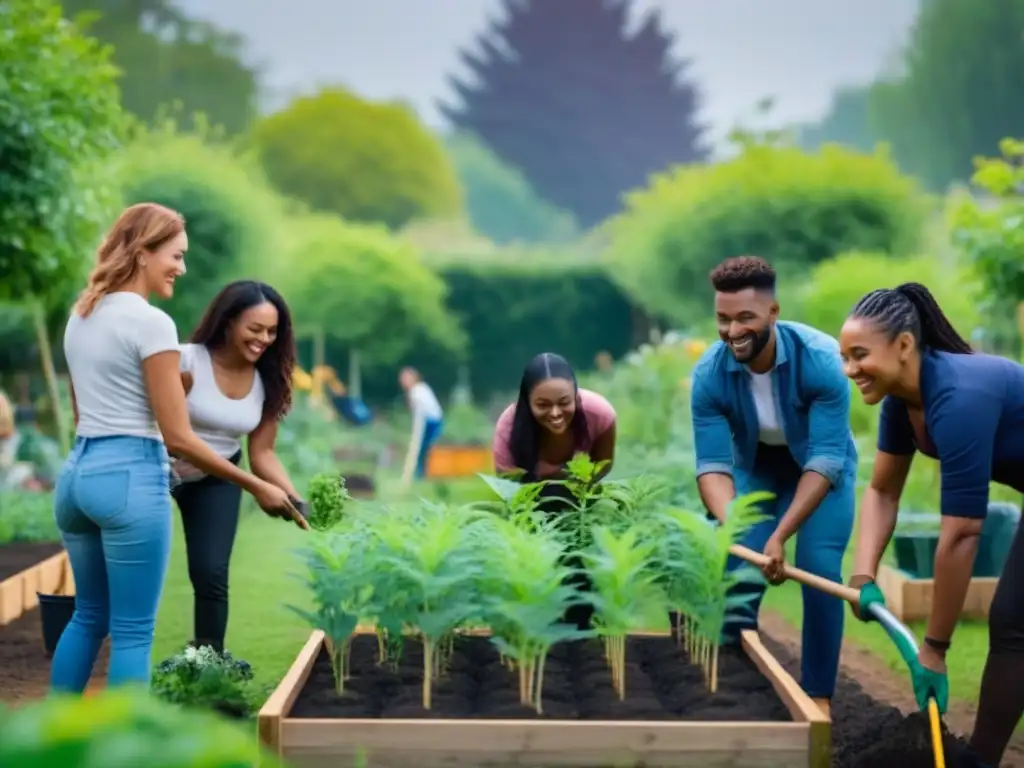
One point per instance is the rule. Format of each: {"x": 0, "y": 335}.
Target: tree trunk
{"x": 46, "y": 357}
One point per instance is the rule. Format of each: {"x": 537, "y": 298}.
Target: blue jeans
{"x": 113, "y": 507}
{"x": 820, "y": 545}
{"x": 431, "y": 431}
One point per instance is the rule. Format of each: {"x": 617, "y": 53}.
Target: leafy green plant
{"x": 622, "y": 569}
{"x": 202, "y": 677}
{"x": 27, "y": 516}
{"x": 327, "y": 500}
{"x": 693, "y": 556}
{"x": 123, "y": 728}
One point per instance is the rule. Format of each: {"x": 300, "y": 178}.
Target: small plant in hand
{"x": 435, "y": 572}
{"x": 205, "y": 679}
{"x": 328, "y": 499}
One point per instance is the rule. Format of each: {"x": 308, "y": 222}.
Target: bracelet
{"x": 938, "y": 645}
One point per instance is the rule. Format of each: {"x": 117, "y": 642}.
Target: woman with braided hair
{"x": 965, "y": 409}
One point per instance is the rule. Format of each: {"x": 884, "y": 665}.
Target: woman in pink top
{"x": 552, "y": 421}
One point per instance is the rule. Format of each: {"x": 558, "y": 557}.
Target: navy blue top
{"x": 974, "y": 426}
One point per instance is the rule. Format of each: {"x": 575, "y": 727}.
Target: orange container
{"x": 450, "y": 461}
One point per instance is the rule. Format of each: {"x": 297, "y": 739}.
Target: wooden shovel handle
{"x": 849, "y": 594}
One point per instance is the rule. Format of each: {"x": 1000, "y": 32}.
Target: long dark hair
{"x": 277, "y": 362}
{"x": 911, "y": 307}
{"x": 524, "y": 442}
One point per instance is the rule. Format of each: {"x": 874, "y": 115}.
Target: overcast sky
{"x": 797, "y": 51}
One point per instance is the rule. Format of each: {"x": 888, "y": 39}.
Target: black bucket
{"x": 56, "y": 612}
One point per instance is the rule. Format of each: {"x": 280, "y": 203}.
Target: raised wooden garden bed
{"x": 910, "y": 598}
{"x": 451, "y": 461}
{"x": 759, "y": 716}
{"x": 50, "y": 576}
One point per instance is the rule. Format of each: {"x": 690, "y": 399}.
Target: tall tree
{"x": 960, "y": 89}
{"x": 166, "y": 57}
{"x": 584, "y": 110}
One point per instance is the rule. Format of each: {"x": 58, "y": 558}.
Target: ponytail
{"x": 911, "y": 308}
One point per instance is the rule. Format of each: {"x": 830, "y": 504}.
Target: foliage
{"x": 991, "y": 232}
{"x": 27, "y": 516}
{"x": 166, "y": 57}
{"x": 585, "y": 116}
{"x": 649, "y": 390}
{"x": 956, "y": 92}
{"x": 516, "y": 308}
{"x": 205, "y": 679}
{"x": 307, "y": 439}
{"x": 366, "y": 288}
{"x": 794, "y": 208}
{"x": 436, "y": 571}
{"x": 836, "y": 285}
{"x": 327, "y": 498}
{"x": 360, "y": 160}
{"x": 122, "y": 728}
{"x": 499, "y": 200}
{"x": 234, "y": 220}
{"x": 60, "y": 117}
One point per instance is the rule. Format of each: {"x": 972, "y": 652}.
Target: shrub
{"x": 60, "y": 116}
{"x": 792, "y": 207}
{"x": 366, "y": 288}
{"x": 235, "y": 220}
{"x": 357, "y": 159}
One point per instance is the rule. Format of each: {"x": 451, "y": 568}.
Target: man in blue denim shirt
{"x": 771, "y": 412}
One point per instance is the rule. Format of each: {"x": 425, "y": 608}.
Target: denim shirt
{"x": 812, "y": 396}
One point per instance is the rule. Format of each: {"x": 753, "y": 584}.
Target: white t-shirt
{"x": 424, "y": 402}
{"x": 220, "y": 421}
{"x": 104, "y": 352}
{"x": 768, "y": 419}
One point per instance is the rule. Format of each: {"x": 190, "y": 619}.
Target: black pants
{"x": 555, "y": 499}
{"x": 1001, "y": 700}
{"x": 209, "y": 514}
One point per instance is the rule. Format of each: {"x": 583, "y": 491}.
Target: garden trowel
{"x": 904, "y": 639}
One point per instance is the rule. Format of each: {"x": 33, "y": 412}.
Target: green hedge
{"x": 794, "y": 208}
{"x": 511, "y": 313}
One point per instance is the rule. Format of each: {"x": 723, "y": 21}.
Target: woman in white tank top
{"x": 237, "y": 371}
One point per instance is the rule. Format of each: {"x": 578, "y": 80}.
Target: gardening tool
{"x": 904, "y": 639}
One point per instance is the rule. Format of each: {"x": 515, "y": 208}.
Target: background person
{"x": 967, "y": 410}
{"x": 771, "y": 412}
{"x": 552, "y": 421}
{"x": 427, "y": 423}
{"x": 112, "y": 501}
{"x": 237, "y": 372}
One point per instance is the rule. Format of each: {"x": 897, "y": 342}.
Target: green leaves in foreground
{"x": 122, "y": 729}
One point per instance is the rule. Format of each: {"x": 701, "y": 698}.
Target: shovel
{"x": 904, "y": 639}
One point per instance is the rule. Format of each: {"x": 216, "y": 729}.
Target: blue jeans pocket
{"x": 102, "y": 495}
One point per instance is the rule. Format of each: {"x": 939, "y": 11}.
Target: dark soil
{"x": 24, "y": 668}
{"x": 868, "y": 733}
{"x": 660, "y": 685}
{"x": 15, "y": 557}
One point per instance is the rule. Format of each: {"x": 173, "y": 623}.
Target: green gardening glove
{"x": 870, "y": 595}
{"x": 929, "y": 684}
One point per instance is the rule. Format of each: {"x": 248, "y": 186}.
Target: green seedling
{"x": 328, "y": 500}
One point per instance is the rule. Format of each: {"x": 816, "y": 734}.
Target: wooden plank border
{"x": 318, "y": 742}
{"x": 910, "y": 599}
{"x": 18, "y": 595}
